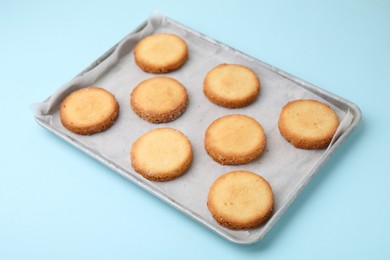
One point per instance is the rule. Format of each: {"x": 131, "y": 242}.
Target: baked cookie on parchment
{"x": 161, "y": 53}
{"x": 240, "y": 200}
{"x": 308, "y": 124}
{"x": 89, "y": 110}
{"x": 159, "y": 99}
{"x": 234, "y": 139}
{"x": 161, "y": 154}
{"x": 231, "y": 85}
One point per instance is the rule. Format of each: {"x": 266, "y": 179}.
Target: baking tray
{"x": 287, "y": 169}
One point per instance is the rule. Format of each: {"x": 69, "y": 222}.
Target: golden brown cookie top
{"x": 159, "y": 99}
{"x": 161, "y": 154}
{"x": 308, "y": 124}
{"x": 240, "y": 200}
{"x": 89, "y": 110}
{"x": 161, "y": 53}
{"x": 235, "y": 139}
{"x": 231, "y": 85}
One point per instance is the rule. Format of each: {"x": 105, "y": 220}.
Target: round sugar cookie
{"x": 159, "y": 99}
{"x": 308, "y": 124}
{"x": 231, "y": 85}
{"x": 240, "y": 200}
{"x": 89, "y": 110}
{"x": 234, "y": 139}
{"x": 161, "y": 53}
{"x": 161, "y": 154}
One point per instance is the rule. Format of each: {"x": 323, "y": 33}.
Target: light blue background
{"x": 57, "y": 203}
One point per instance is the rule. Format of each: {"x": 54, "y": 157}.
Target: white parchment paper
{"x": 284, "y": 166}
